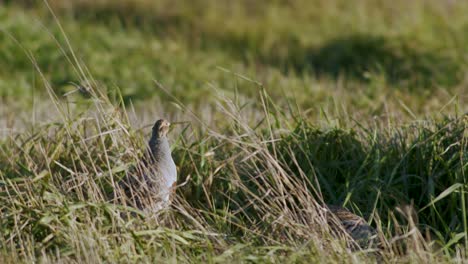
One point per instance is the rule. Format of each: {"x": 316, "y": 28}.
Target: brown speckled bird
{"x": 357, "y": 228}
{"x": 151, "y": 186}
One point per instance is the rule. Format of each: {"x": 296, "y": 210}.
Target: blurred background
{"x": 361, "y": 58}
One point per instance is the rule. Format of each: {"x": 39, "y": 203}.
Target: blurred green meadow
{"x": 278, "y": 107}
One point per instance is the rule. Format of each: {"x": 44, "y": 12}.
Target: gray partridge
{"x": 150, "y": 188}
{"x": 356, "y": 227}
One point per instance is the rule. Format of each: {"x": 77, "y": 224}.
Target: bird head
{"x": 160, "y": 128}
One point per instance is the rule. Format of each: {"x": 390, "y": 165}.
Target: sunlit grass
{"x": 252, "y": 181}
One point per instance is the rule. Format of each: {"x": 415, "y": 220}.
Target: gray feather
{"x": 151, "y": 185}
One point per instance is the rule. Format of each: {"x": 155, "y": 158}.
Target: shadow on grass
{"x": 400, "y": 61}
{"x": 357, "y": 55}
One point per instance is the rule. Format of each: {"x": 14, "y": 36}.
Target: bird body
{"x": 163, "y": 165}
{"x": 151, "y": 186}
{"x": 356, "y": 227}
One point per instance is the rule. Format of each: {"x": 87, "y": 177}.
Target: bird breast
{"x": 164, "y": 162}
{"x": 169, "y": 172}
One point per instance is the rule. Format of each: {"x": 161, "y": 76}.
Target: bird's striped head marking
{"x": 160, "y": 128}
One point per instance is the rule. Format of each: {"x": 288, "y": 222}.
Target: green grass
{"x": 127, "y": 48}
{"x": 279, "y": 107}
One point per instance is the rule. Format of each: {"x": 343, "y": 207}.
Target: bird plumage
{"x": 357, "y": 227}
{"x": 165, "y": 172}
{"x": 151, "y": 185}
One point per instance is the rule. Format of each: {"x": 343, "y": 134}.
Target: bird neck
{"x": 158, "y": 146}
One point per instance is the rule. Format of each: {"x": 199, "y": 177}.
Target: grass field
{"x": 278, "y": 108}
